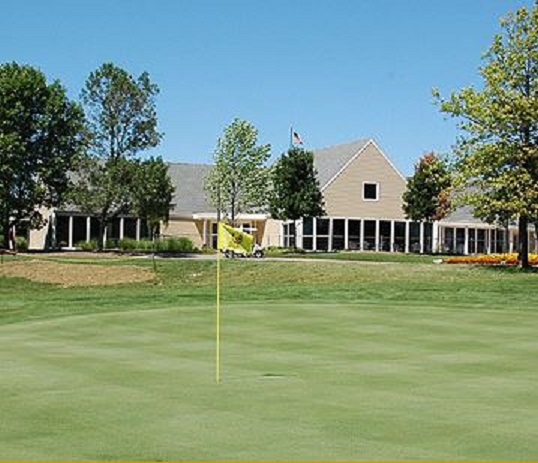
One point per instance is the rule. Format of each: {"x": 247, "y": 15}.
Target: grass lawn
{"x": 320, "y": 361}
{"x": 361, "y": 256}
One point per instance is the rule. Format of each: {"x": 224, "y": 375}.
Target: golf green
{"x": 300, "y": 381}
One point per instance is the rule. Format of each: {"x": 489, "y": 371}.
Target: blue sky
{"x": 336, "y": 70}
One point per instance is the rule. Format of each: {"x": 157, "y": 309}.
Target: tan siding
{"x": 184, "y": 228}
{"x": 343, "y": 197}
{"x": 271, "y": 233}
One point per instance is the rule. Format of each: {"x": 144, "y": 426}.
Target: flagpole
{"x": 217, "y": 344}
{"x": 291, "y": 137}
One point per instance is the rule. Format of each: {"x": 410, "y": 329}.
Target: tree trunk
{"x": 102, "y": 229}
{"x": 523, "y": 242}
{"x": 295, "y": 235}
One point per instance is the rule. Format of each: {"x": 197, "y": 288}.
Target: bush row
{"x": 179, "y": 245}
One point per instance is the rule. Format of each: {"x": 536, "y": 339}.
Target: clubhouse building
{"x": 362, "y": 190}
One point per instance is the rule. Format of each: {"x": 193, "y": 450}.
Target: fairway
{"x": 373, "y": 378}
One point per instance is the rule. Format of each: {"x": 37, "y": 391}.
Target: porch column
{"x": 466, "y": 244}
{"x": 53, "y": 224}
{"x": 377, "y": 235}
{"x": 88, "y": 229}
{"x": 121, "y": 227}
{"x": 421, "y": 238}
{"x": 138, "y": 222}
{"x": 454, "y": 240}
{"x": 392, "y": 236}
{"x": 435, "y": 237}
{"x": 361, "y": 244}
{"x": 70, "y": 239}
{"x": 488, "y": 241}
{"x": 407, "y": 237}
{"x": 204, "y": 232}
{"x": 314, "y": 234}
{"x": 330, "y": 244}
{"x": 346, "y": 234}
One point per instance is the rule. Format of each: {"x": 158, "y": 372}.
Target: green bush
{"x": 128, "y": 244}
{"x": 180, "y": 245}
{"x": 22, "y": 243}
{"x": 111, "y": 244}
{"x": 87, "y": 245}
{"x": 145, "y": 245}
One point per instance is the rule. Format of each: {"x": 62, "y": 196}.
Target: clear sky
{"x": 336, "y": 70}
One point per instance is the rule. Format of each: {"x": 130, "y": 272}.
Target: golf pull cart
{"x": 233, "y": 242}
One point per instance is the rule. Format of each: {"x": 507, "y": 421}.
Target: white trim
{"x": 388, "y": 160}
{"x": 377, "y": 191}
{"x": 372, "y": 142}
{"x": 345, "y": 166}
{"x": 213, "y": 216}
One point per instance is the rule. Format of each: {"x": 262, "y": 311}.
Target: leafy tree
{"x": 427, "y": 195}
{"x": 153, "y": 191}
{"x": 295, "y": 187}
{"x": 41, "y": 135}
{"x": 498, "y": 152}
{"x": 238, "y": 181}
{"x": 122, "y": 122}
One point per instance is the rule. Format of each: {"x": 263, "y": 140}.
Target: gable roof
{"x": 189, "y": 195}
{"x": 331, "y": 160}
{"x": 188, "y": 179}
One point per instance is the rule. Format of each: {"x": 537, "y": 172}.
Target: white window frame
{"x": 378, "y": 190}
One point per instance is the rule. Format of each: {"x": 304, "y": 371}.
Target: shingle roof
{"x": 329, "y": 161}
{"x": 189, "y": 195}
{"x": 189, "y": 179}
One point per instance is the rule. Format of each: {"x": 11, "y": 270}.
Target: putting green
{"x": 299, "y": 382}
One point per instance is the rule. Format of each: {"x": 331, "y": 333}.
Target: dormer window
{"x": 370, "y": 191}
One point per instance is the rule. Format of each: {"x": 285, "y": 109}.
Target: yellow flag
{"x": 234, "y": 240}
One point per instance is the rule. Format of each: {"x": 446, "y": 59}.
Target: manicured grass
{"x": 366, "y": 256}
{"x": 320, "y": 361}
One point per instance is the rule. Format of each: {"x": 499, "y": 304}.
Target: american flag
{"x": 297, "y": 139}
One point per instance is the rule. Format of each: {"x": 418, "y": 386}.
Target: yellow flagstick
{"x": 217, "y": 359}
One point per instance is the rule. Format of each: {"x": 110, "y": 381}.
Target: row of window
{"x": 323, "y": 240}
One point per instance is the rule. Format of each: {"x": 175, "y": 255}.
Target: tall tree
{"x": 41, "y": 135}
{"x": 498, "y": 152}
{"x": 295, "y": 187}
{"x": 153, "y": 191}
{"x": 427, "y": 195}
{"x": 238, "y": 181}
{"x": 122, "y": 122}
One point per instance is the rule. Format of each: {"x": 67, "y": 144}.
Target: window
{"x": 370, "y": 191}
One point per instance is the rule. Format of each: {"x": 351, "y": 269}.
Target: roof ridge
{"x": 339, "y": 145}
{"x": 181, "y": 163}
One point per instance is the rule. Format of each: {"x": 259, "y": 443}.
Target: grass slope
{"x": 321, "y": 361}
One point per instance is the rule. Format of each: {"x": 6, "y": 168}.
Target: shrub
{"x": 127, "y": 244}
{"x": 87, "y": 245}
{"x": 111, "y": 244}
{"x": 179, "y": 245}
{"x": 21, "y": 243}
{"x": 145, "y": 245}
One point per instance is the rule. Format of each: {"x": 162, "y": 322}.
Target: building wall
{"x": 180, "y": 227}
{"x": 343, "y": 197}
{"x": 271, "y": 231}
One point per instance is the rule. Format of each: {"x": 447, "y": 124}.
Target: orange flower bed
{"x": 490, "y": 259}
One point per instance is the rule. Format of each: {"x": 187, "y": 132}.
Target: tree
{"x": 122, "y": 122}
{"x": 153, "y": 191}
{"x": 427, "y": 194}
{"x": 295, "y": 187}
{"x": 497, "y": 156}
{"x": 41, "y": 135}
{"x": 238, "y": 181}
